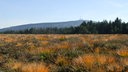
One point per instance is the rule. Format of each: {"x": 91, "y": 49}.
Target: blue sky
{"x": 18, "y": 12}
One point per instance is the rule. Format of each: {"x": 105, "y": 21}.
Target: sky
{"x": 19, "y": 12}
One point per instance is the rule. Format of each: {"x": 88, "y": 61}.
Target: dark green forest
{"x": 90, "y": 27}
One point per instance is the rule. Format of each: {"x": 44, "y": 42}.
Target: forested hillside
{"x": 87, "y": 27}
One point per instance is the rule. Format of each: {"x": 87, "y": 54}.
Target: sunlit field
{"x": 63, "y": 53}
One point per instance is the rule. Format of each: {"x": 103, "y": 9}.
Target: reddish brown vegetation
{"x": 64, "y": 53}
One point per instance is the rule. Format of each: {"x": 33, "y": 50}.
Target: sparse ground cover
{"x": 63, "y": 53}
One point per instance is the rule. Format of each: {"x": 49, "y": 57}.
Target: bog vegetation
{"x": 63, "y": 53}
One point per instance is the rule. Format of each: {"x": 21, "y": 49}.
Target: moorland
{"x": 63, "y": 53}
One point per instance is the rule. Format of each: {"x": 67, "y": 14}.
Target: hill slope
{"x": 44, "y": 25}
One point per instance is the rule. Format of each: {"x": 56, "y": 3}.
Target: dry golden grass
{"x": 63, "y": 45}
{"x": 114, "y": 67}
{"x": 18, "y": 44}
{"x": 16, "y": 65}
{"x": 38, "y": 50}
{"x": 89, "y": 60}
{"x": 34, "y": 67}
{"x": 86, "y": 60}
{"x": 61, "y": 60}
{"x": 1, "y": 58}
{"x": 124, "y": 61}
{"x": 13, "y": 64}
{"x": 101, "y": 59}
{"x": 97, "y": 50}
{"x": 123, "y": 52}
{"x": 63, "y": 53}
{"x": 100, "y": 63}
{"x": 28, "y": 67}
{"x": 44, "y": 43}
{"x": 42, "y": 38}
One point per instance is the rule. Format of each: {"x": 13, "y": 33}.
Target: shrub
{"x": 48, "y": 57}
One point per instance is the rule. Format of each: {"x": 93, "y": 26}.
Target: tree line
{"x": 89, "y": 27}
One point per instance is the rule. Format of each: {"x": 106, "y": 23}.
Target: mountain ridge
{"x": 64, "y": 24}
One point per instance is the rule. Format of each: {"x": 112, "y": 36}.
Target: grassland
{"x": 63, "y": 53}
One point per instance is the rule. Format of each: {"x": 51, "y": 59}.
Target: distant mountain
{"x": 44, "y": 25}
